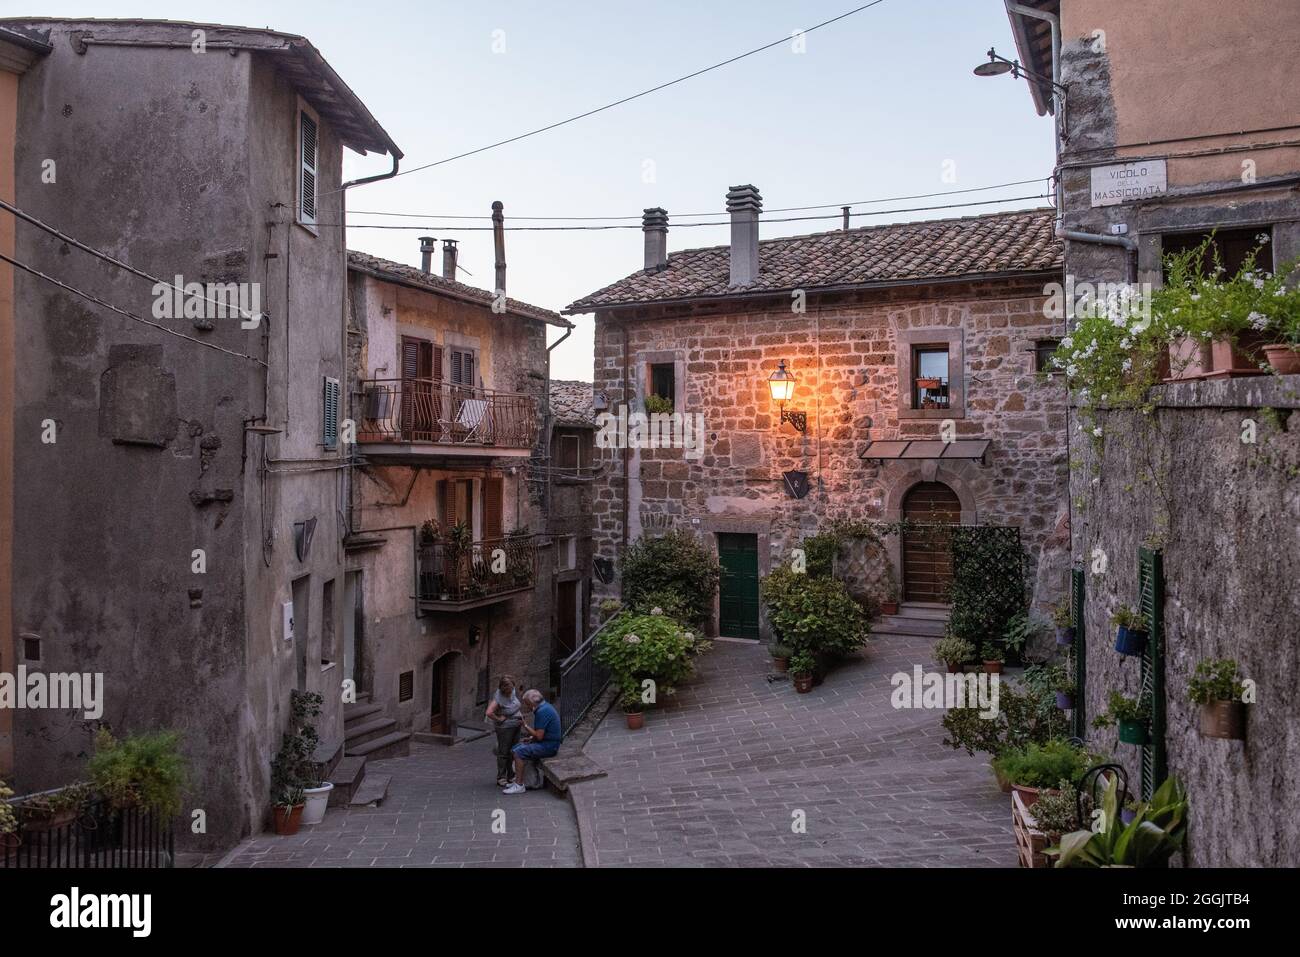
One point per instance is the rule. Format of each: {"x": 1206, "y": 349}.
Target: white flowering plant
{"x": 636, "y": 647}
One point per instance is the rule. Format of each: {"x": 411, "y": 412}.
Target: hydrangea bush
{"x": 639, "y": 646}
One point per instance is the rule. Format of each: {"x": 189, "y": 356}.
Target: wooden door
{"x": 421, "y": 365}
{"x": 927, "y": 547}
{"x": 440, "y": 696}
{"x": 738, "y": 592}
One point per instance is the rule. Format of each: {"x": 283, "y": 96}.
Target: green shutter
{"x": 1079, "y": 651}
{"x": 1151, "y": 592}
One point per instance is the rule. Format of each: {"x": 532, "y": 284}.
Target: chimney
{"x": 655, "y": 226}
{"x": 744, "y": 205}
{"x": 426, "y": 253}
{"x": 449, "y": 259}
{"x": 499, "y": 239}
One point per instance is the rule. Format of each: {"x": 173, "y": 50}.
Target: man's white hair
{"x": 534, "y": 697}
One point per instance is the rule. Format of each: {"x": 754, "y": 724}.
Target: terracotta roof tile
{"x": 573, "y": 403}
{"x": 1022, "y": 241}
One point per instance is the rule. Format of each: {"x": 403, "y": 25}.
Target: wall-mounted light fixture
{"x": 998, "y": 65}
{"x": 781, "y": 382}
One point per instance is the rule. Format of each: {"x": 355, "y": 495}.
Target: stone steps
{"x": 355, "y": 713}
{"x": 373, "y": 790}
{"x": 394, "y": 745}
{"x": 366, "y": 730}
{"x": 347, "y": 778}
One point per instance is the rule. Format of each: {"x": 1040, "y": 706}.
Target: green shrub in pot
{"x": 1057, "y": 814}
{"x": 1215, "y": 679}
{"x": 141, "y": 769}
{"x": 953, "y": 651}
{"x": 1043, "y": 765}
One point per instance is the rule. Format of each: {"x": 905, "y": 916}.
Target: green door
{"x": 738, "y": 599}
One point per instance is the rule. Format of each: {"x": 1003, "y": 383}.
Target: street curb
{"x": 581, "y": 809}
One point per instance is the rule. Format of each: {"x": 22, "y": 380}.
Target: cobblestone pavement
{"x": 439, "y": 813}
{"x": 715, "y": 778}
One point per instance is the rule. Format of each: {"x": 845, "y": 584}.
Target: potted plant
{"x": 1129, "y": 811}
{"x": 298, "y": 756}
{"x": 1130, "y": 715}
{"x": 9, "y": 837}
{"x": 633, "y": 708}
{"x": 1057, "y": 812}
{"x": 802, "y": 664}
{"x": 287, "y": 811}
{"x": 1130, "y": 631}
{"x": 781, "y": 657}
{"x": 1064, "y": 623}
{"x": 428, "y": 532}
{"x": 953, "y": 652}
{"x": 889, "y": 604}
{"x": 1063, "y": 688}
{"x": 1034, "y": 769}
{"x": 928, "y": 383}
{"x": 1154, "y": 835}
{"x": 993, "y": 657}
{"x": 658, "y": 404}
{"x": 1217, "y": 688}
{"x": 145, "y": 770}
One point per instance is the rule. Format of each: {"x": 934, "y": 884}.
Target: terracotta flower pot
{"x": 928, "y": 383}
{"x": 1189, "y": 359}
{"x": 1224, "y": 719}
{"x": 1237, "y": 357}
{"x": 780, "y": 664}
{"x": 889, "y": 608}
{"x": 993, "y": 667}
{"x": 1282, "y": 358}
{"x": 49, "y": 822}
{"x": 635, "y": 719}
{"x": 954, "y": 667}
{"x": 287, "y": 819}
{"x": 1133, "y": 732}
{"x": 803, "y": 683}
{"x": 1029, "y": 796}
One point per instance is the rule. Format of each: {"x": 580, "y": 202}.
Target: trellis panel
{"x": 1079, "y": 650}
{"x": 1151, "y": 592}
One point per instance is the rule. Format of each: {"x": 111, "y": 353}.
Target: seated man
{"x": 542, "y": 736}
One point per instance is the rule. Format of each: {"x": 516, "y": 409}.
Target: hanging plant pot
{"x": 1065, "y": 700}
{"x": 1282, "y": 358}
{"x": 1065, "y": 635}
{"x": 287, "y": 819}
{"x": 1133, "y": 732}
{"x": 1130, "y": 642}
{"x": 803, "y": 683}
{"x": 1126, "y": 816}
{"x": 635, "y": 720}
{"x": 1224, "y": 719}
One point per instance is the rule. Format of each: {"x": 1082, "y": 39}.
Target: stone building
{"x": 572, "y": 476}
{"x": 450, "y": 564}
{"x": 1173, "y": 104}
{"x": 174, "y": 501}
{"x": 914, "y": 350}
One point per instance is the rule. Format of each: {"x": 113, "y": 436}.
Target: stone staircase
{"x": 367, "y": 734}
{"x": 915, "y": 618}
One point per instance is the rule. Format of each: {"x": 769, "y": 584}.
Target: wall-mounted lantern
{"x": 781, "y": 382}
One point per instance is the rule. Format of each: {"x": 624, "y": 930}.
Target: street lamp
{"x": 997, "y": 65}
{"x": 781, "y": 384}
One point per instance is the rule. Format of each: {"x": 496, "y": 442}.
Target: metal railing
{"x": 582, "y": 679}
{"x": 437, "y": 412}
{"x": 94, "y": 835}
{"x": 451, "y": 574}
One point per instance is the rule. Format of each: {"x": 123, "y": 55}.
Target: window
{"x": 32, "y": 649}
{"x": 568, "y": 453}
{"x": 663, "y": 380}
{"x": 493, "y": 507}
{"x": 1044, "y": 349}
{"x": 406, "y": 686}
{"x": 462, "y": 367}
{"x": 930, "y": 386}
{"x": 330, "y": 413}
{"x": 308, "y": 156}
{"x": 1231, "y": 245}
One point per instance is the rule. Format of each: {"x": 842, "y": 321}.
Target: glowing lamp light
{"x": 781, "y": 384}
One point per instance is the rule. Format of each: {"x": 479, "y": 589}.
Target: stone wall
{"x": 843, "y": 353}
{"x": 1227, "y": 512}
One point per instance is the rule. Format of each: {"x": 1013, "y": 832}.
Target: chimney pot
{"x": 426, "y": 253}
{"x": 449, "y": 259}
{"x": 744, "y": 204}
{"x": 655, "y": 226}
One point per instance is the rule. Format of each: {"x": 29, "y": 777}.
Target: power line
{"x": 634, "y": 96}
{"x": 54, "y": 231}
{"x": 122, "y": 312}
{"x": 724, "y": 222}
{"x": 720, "y": 212}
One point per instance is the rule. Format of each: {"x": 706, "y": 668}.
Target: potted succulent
{"x": 1130, "y": 715}
{"x": 781, "y": 657}
{"x": 993, "y": 657}
{"x": 287, "y": 812}
{"x": 1130, "y": 631}
{"x": 1217, "y": 688}
{"x": 633, "y": 709}
{"x": 1064, "y": 623}
{"x": 802, "y": 665}
{"x": 953, "y": 652}
{"x": 1034, "y": 769}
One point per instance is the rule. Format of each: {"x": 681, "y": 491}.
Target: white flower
{"x": 1258, "y": 321}
{"x": 1097, "y": 431}
{"x": 1205, "y": 333}
{"x": 1196, "y": 297}
{"x": 656, "y": 610}
{"x": 1125, "y": 343}
{"x": 1103, "y": 397}
{"x": 1262, "y": 238}
{"x": 1071, "y": 370}
{"x": 1068, "y": 342}
{"x": 1126, "y": 365}
{"x": 632, "y": 639}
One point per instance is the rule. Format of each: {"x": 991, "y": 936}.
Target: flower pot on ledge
{"x": 1224, "y": 719}
{"x": 1220, "y": 358}
{"x": 1282, "y": 358}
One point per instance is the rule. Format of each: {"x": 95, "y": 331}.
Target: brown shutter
{"x": 444, "y": 515}
{"x": 410, "y": 370}
{"x": 437, "y": 363}
{"x": 493, "y": 506}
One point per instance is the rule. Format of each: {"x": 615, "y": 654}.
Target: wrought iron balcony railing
{"x": 453, "y": 576}
{"x": 437, "y": 412}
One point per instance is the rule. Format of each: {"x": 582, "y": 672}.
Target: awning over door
{"x": 926, "y": 449}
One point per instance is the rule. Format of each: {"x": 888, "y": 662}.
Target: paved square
{"x": 715, "y": 778}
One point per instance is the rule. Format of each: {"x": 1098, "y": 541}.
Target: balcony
{"x": 413, "y": 419}
{"x": 455, "y": 577}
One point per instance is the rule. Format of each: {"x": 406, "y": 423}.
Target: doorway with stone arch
{"x": 929, "y": 509}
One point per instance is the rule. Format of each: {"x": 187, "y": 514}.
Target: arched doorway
{"x": 927, "y": 548}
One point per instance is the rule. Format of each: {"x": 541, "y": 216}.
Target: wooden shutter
{"x": 493, "y": 506}
{"x": 437, "y": 363}
{"x": 462, "y": 368}
{"x": 444, "y": 514}
{"x": 330, "y": 413}
{"x": 307, "y": 133}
